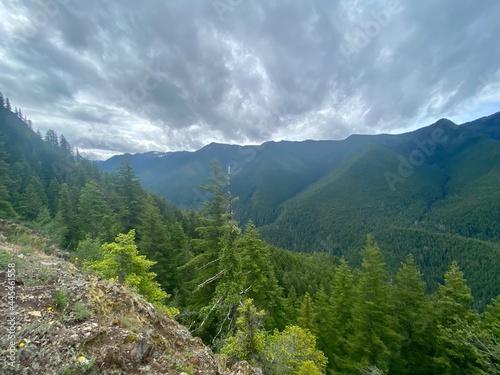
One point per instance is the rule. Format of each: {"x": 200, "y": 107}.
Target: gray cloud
{"x": 131, "y": 77}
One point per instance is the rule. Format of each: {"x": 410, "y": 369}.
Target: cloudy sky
{"x": 131, "y": 76}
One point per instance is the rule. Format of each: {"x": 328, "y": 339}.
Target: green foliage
{"x": 122, "y": 261}
{"x": 306, "y": 316}
{"x": 88, "y": 251}
{"x": 61, "y": 300}
{"x": 293, "y": 351}
{"x": 374, "y": 339}
{"x": 81, "y": 311}
{"x": 248, "y": 341}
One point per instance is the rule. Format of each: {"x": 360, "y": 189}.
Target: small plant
{"x": 61, "y": 300}
{"x": 81, "y": 311}
{"x": 5, "y": 259}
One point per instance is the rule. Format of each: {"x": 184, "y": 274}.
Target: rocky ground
{"x": 71, "y": 322}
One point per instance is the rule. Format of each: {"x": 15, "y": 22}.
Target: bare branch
{"x": 209, "y": 263}
{"x": 208, "y": 281}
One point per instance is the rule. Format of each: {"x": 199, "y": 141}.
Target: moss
{"x": 131, "y": 338}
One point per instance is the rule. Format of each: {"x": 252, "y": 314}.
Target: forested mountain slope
{"x": 416, "y": 192}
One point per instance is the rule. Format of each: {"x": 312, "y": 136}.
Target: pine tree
{"x": 92, "y": 211}
{"x": 306, "y": 317}
{"x": 247, "y": 344}
{"x": 130, "y": 196}
{"x": 416, "y": 323}
{"x": 457, "y": 323}
{"x": 293, "y": 351}
{"x": 65, "y": 147}
{"x": 157, "y": 244}
{"x": 257, "y": 274}
{"x": 65, "y": 218}
{"x": 374, "y": 337}
{"x": 204, "y": 266}
{"x": 121, "y": 260}
{"x": 340, "y": 329}
{"x": 492, "y": 318}
{"x": 6, "y": 209}
{"x": 7, "y": 104}
{"x": 2, "y": 100}
{"x": 52, "y": 139}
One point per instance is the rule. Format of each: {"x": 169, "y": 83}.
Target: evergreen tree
{"x": 374, "y": 339}
{"x": 65, "y": 218}
{"x": 306, "y": 317}
{"x": 293, "y": 351}
{"x": 2, "y": 100}
{"x": 130, "y": 196}
{"x": 7, "y": 104}
{"x": 204, "y": 266}
{"x": 52, "y": 139}
{"x": 247, "y": 344}
{"x": 65, "y": 147}
{"x": 6, "y": 209}
{"x": 122, "y": 261}
{"x": 457, "y": 323}
{"x": 32, "y": 200}
{"x": 492, "y": 318}
{"x": 93, "y": 216}
{"x": 339, "y": 331}
{"x": 257, "y": 274}
{"x": 157, "y": 244}
{"x": 291, "y": 305}
{"x": 416, "y": 323}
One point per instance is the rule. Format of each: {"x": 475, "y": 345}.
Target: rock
{"x": 140, "y": 350}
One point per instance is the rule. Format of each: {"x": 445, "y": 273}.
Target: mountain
{"x": 432, "y": 192}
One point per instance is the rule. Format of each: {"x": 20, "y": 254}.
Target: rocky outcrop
{"x": 70, "y": 322}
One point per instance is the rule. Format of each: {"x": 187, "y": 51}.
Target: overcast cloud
{"x": 130, "y": 76}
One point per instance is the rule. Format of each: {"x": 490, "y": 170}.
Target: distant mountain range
{"x": 434, "y": 192}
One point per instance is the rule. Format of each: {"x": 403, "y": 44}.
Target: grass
{"x": 61, "y": 300}
{"x": 81, "y": 311}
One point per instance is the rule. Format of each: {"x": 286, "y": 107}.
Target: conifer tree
{"x": 247, "y": 344}
{"x": 204, "y": 266}
{"x": 156, "y": 243}
{"x": 92, "y": 211}
{"x": 457, "y": 322}
{"x": 416, "y": 323}
{"x": 306, "y": 317}
{"x": 257, "y": 274}
{"x": 65, "y": 218}
{"x": 6, "y": 209}
{"x": 374, "y": 338}
{"x": 121, "y": 260}
{"x": 293, "y": 351}
{"x": 340, "y": 330}
{"x": 7, "y": 104}
{"x": 51, "y": 138}
{"x": 2, "y": 100}
{"x": 129, "y": 195}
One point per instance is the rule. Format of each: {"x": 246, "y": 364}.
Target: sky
{"x": 137, "y": 76}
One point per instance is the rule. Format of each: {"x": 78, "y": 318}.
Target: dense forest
{"x": 285, "y": 312}
{"x": 432, "y": 193}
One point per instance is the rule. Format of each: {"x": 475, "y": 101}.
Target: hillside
{"x": 69, "y": 322}
{"x": 416, "y": 192}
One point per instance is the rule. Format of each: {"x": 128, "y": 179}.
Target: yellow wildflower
{"x": 21, "y": 344}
